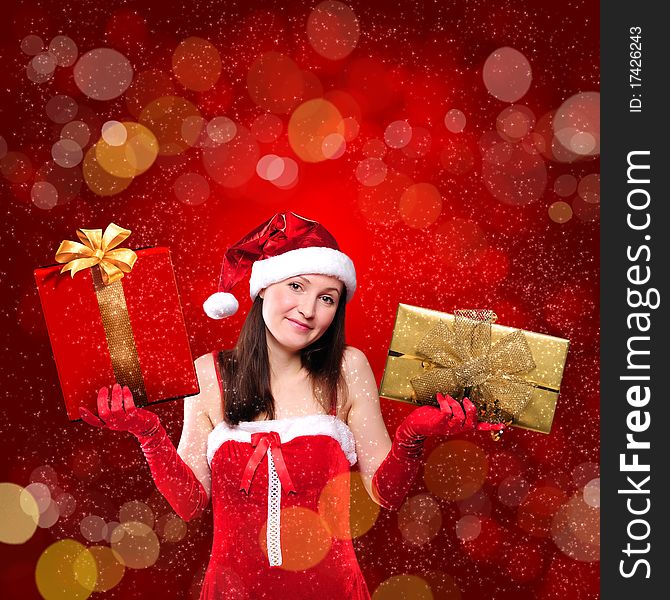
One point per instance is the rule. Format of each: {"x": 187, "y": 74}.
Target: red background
{"x": 414, "y": 61}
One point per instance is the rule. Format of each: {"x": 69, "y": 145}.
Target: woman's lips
{"x": 299, "y": 326}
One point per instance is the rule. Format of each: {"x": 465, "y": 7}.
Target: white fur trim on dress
{"x": 302, "y": 261}
{"x": 288, "y": 429}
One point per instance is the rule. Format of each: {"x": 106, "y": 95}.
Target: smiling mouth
{"x": 300, "y": 325}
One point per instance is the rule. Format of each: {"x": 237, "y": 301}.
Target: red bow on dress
{"x": 263, "y": 441}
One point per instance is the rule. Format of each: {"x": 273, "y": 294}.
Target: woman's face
{"x": 298, "y": 310}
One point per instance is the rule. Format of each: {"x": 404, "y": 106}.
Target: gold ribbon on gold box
{"x": 512, "y": 376}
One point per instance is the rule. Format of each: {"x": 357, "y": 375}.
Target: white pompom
{"x": 220, "y": 305}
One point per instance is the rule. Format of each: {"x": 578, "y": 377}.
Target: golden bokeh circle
{"x": 131, "y": 158}
{"x": 305, "y": 539}
{"x": 310, "y": 124}
{"x": 98, "y": 180}
{"x": 403, "y": 586}
{"x": 66, "y": 570}
{"x": 20, "y": 514}
{"x": 165, "y": 117}
{"x": 346, "y": 507}
{"x": 110, "y": 568}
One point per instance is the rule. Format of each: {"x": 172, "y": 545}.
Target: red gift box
{"x": 131, "y": 331}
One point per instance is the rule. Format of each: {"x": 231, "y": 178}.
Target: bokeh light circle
{"x": 136, "y": 511}
{"x": 44, "y": 195}
{"x": 419, "y": 519}
{"x": 41, "y": 493}
{"x": 310, "y": 124}
{"x": 575, "y": 529}
{"x": 270, "y": 167}
{"x": 77, "y": 131}
{"x": 103, "y": 74}
{"x": 515, "y": 122}
{"x": 64, "y": 49}
{"x": 267, "y": 128}
{"x": 165, "y": 118}
{"x": 114, "y": 133}
{"x": 66, "y": 569}
{"x": 67, "y": 153}
{"x": 16, "y": 167}
{"x": 589, "y": 188}
{"x": 346, "y": 493}
{"x": 456, "y": 469}
{"x": 305, "y": 540}
{"x": 131, "y": 158}
{"x": 61, "y": 109}
{"x": 577, "y": 124}
{"x": 92, "y": 528}
{"x": 275, "y": 83}
{"x": 191, "y": 189}
{"x": 455, "y": 120}
{"x": 538, "y": 508}
{"x": 565, "y": 185}
{"x": 560, "y": 212}
{"x": 398, "y": 134}
{"x": 20, "y": 514}
{"x": 289, "y": 176}
{"x": 110, "y": 568}
{"x": 98, "y": 180}
{"x": 196, "y": 64}
{"x": 32, "y": 45}
{"x": 332, "y": 29}
{"x": 136, "y": 543}
{"x": 507, "y": 74}
{"x": 420, "y": 205}
{"x": 221, "y": 130}
{"x": 403, "y": 586}
{"x": 592, "y": 493}
{"x": 468, "y": 528}
{"x": 371, "y": 171}
{"x": 44, "y": 63}
{"x": 333, "y": 146}
{"x": 513, "y": 490}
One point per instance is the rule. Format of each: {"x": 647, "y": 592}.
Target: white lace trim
{"x": 288, "y": 429}
{"x": 273, "y": 535}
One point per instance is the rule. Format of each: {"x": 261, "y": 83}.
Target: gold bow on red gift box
{"x": 98, "y": 248}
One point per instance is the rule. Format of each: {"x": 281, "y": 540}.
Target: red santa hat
{"x": 282, "y": 247}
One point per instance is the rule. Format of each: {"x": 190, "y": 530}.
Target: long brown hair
{"x": 245, "y": 370}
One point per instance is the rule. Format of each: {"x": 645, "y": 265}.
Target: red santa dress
{"x": 280, "y": 498}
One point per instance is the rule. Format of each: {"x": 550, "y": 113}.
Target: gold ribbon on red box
{"x": 100, "y": 249}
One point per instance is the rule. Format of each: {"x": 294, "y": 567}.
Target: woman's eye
{"x": 293, "y": 283}
{"x": 328, "y": 299}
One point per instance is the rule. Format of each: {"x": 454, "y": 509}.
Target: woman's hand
{"x": 449, "y": 419}
{"x": 123, "y": 415}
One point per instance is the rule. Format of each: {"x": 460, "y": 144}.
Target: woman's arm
{"x": 197, "y": 424}
{"x": 365, "y": 418}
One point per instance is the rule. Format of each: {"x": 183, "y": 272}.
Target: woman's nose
{"x": 306, "y": 308}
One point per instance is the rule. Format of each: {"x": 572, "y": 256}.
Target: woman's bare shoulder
{"x": 354, "y": 359}
{"x": 209, "y": 398}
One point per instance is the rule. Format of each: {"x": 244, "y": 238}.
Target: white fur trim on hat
{"x": 319, "y": 260}
{"x": 221, "y": 305}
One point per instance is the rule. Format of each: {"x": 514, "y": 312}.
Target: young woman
{"x": 280, "y": 418}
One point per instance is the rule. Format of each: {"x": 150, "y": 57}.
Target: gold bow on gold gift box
{"x": 512, "y": 376}
{"x": 98, "y": 248}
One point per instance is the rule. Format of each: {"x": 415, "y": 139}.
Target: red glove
{"x": 395, "y": 475}
{"x": 172, "y": 476}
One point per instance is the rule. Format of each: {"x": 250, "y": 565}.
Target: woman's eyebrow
{"x": 334, "y": 289}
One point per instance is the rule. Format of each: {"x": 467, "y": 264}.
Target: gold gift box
{"x": 402, "y": 365}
